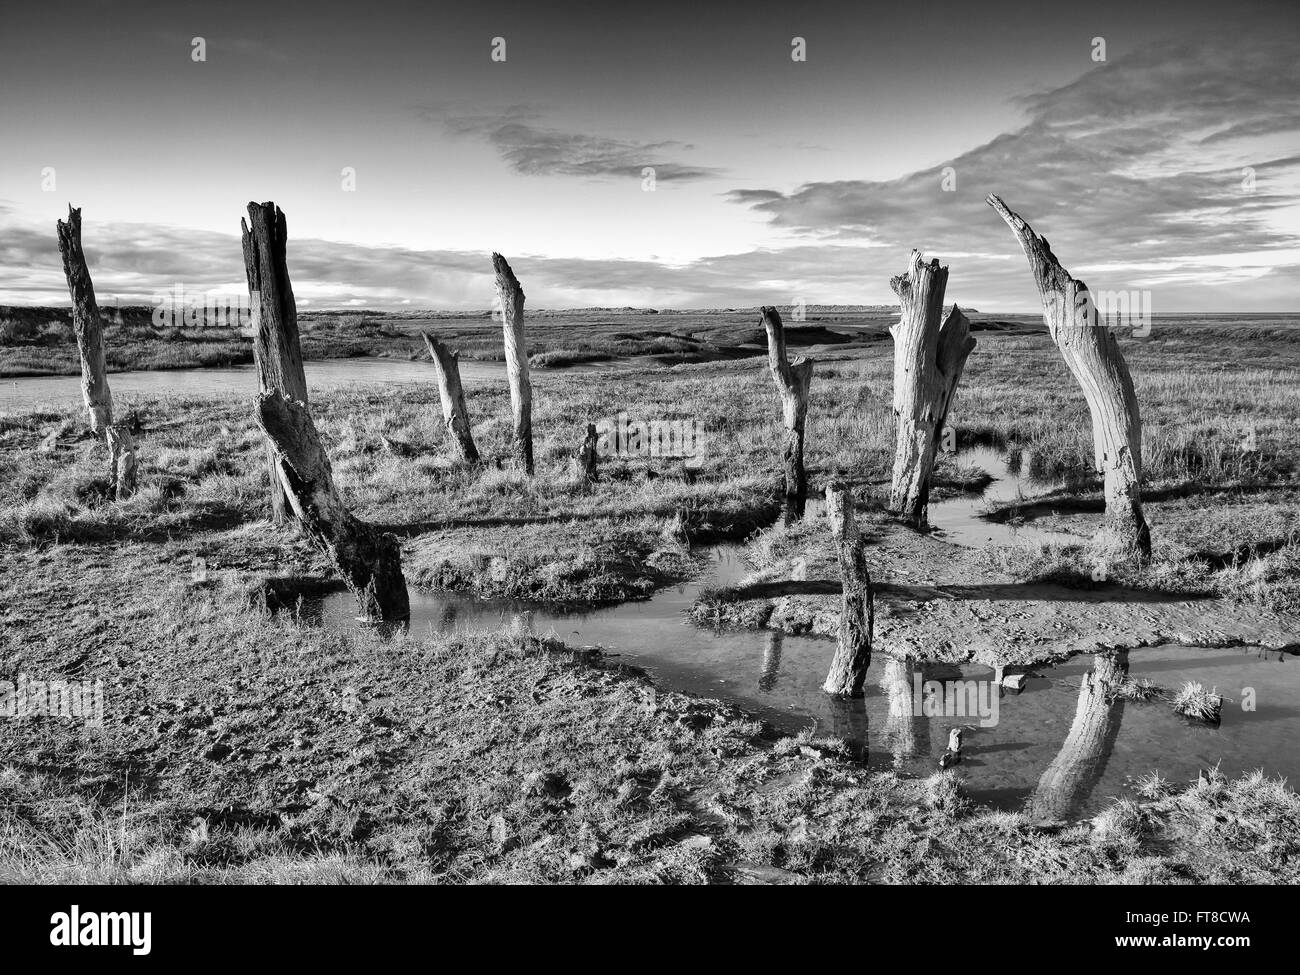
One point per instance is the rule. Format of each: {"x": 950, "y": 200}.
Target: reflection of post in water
{"x": 906, "y": 733}
{"x": 521, "y": 624}
{"x": 1082, "y": 759}
{"x": 792, "y": 509}
{"x": 447, "y": 618}
{"x": 771, "y": 660}
{"x": 849, "y": 722}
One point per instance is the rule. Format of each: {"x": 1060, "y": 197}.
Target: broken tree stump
{"x": 370, "y": 561}
{"x": 792, "y": 382}
{"x": 929, "y": 355}
{"x": 1093, "y": 356}
{"x": 447, "y": 365}
{"x": 857, "y": 611}
{"x": 587, "y": 455}
{"x": 276, "y": 350}
{"x": 511, "y": 296}
{"x": 90, "y": 347}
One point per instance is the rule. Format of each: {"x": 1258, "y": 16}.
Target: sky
{"x": 403, "y": 153}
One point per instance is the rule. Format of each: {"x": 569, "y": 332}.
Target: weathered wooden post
{"x": 929, "y": 356}
{"x": 837, "y": 498}
{"x": 857, "y": 611}
{"x": 792, "y": 381}
{"x": 511, "y": 296}
{"x": 94, "y": 370}
{"x": 1094, "y": 358}
{"x": 1082, "y": 758}
{"x": 447, "y": 365}
{"x": 587, "y": 455}
{"x": 276, "y": 350}
{"x": 370, "y": 561}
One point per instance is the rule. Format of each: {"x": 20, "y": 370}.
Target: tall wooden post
{"x": 90, "y": 347}
{"x": 857, "y": 611}
{"x": 1093, "y": 356}
{"x": 370, "y": 561}
{"x": 511, "y": 296}
{"x": 929, "y": 355}
{"x": 792, "y": 382}
{"x": 276, "y": 350}
{"x": 587, "y": 455}
{"x": 447, "y": 365}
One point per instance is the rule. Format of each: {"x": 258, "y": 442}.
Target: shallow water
{"x": 958, "y": 519}
{"x": 1044, "y": 753}
{"x": 323, "y": 375}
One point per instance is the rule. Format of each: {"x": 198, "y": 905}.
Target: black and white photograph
{"x": 530, "y": 444}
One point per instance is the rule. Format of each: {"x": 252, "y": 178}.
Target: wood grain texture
{"x": 792, "y": 382}
{"x": 89, "y": 331}
{"x": 368, "y": 560}
{"x": 1093, "y": 356}
{"x": 848, "y": 671}
{"x": 511, "y": 295}
{"x": 452, "y": 396}
{"x": 929, "y": 355}
{"x": 277, "y": 352}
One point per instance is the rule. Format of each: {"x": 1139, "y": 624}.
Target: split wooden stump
{"x": 792, "y": 382}
{"x": 929, "y": 354}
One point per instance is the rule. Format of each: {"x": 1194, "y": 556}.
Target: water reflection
{"x": 772, "y": 641}
{"x": 1079, "y": 764}
{"x": 1057, "y": 748}
{"x": 906, "y": 733}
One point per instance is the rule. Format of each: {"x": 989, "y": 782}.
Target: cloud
{"x": 531, "y": 150}
{"x": 130, "y": 263}
{"x": 1143, "y": 158}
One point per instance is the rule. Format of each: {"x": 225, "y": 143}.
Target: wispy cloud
{"x": 1162, "y": 155}
{"x": 534, "y": 150}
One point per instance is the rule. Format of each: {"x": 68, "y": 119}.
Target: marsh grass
{"x": 345, "y": 757}
{"x": 1138, "y": 689}
{"x": 1195, "y": 702}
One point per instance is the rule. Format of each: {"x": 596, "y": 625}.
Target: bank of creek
{"x": 1054, "y": 749}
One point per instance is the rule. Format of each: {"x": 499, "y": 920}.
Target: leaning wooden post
{"x": 1094, "y": 358}
{"x": 511, "y": 296}
{"x": 857, "y": 611}
{"x": 587, "y": 455}
{"x": 792, "y": 381}
{"x": 447, "y": 365}
{"x": 276, "y": 350}
{"x": 370, "y": 561}
{"x": 929, "y": 355}
{"x": 94, "y": 370}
